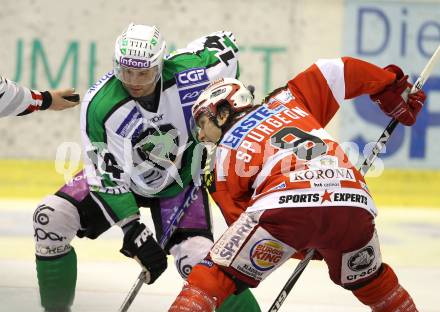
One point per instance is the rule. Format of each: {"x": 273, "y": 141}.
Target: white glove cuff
{"x": 190, "y": 252}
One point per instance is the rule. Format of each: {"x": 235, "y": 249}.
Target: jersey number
{"x": 111, "y": 166}
{"x": 225, "y": 45}
{"x": 109, "y": 163}
{"x": 305, "y": 146}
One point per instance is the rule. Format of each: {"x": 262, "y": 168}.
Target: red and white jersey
{"x": 279, "y": 155}
{"x": 17, "y": 100}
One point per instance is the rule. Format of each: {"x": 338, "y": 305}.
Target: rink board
{"x": 394, "y": 187}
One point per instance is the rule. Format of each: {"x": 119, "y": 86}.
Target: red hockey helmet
{"x": 223, "y": 91}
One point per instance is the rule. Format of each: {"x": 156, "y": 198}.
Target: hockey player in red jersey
{"x": 284, "y": 185}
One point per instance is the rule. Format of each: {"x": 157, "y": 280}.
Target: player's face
{"x": 209, "y": 132}
{"x": 139, "y": 82}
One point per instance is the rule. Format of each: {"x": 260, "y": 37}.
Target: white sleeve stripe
{"x": 333, "y": 72}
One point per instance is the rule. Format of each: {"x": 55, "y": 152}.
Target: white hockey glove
{"x": 190, "y": 252}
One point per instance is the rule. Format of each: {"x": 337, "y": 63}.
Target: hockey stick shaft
{"x": 133, "y": 292}
{"x": 177, "y": 216}
{"x": 383, "y": 139}
{"x": 291, "y": 281}
{"x": 426, "y": 72}
{"x": 72, "y": 98}
{"x": 171, "y": 228}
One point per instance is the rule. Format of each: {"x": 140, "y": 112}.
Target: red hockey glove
{"x": 395, "y": 101}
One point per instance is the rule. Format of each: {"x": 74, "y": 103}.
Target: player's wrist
{"x": 128, "y": 222}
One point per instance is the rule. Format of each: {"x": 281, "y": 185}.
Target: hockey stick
{"x": 383, "y": 139}
{"x": 72, "y": 98}
{"x": 291, "y": 281}
{"x": 173, "y": 223}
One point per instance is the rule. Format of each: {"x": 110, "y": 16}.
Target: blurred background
{"x": 50, "y": 44}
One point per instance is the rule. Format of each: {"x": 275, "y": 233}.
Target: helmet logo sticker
{"x": 217, "y": 92}
{"x": 130, "y": 62}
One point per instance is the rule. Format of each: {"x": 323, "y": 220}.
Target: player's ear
{"x": 222, "y": 117}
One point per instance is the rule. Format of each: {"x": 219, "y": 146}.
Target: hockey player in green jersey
{"x": 138, "y": 152}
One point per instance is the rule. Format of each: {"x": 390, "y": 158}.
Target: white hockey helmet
{"x": 223, "y": 91}
{"x": 140, "y": 48}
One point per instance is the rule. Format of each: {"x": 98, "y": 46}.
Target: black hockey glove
{"x": 140, "y": 245}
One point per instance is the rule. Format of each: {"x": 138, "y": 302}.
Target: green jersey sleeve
{"x": 216, "y": 52}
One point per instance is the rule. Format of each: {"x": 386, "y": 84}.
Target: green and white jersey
{"x": 131, "y": 149}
